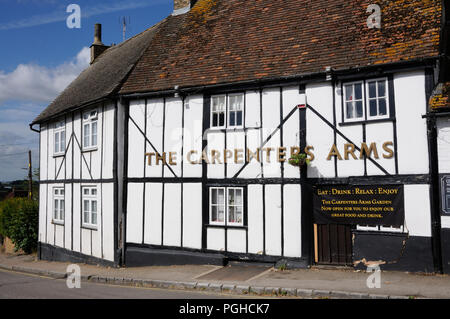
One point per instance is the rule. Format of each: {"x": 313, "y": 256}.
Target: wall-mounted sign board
{"x": 359, "y": 205}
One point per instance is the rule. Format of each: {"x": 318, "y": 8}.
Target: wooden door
{"x": 333, "y": 244}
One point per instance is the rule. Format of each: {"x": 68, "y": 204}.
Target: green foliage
{"x": 299, "y": 159}
{"x": 19, "y": 218}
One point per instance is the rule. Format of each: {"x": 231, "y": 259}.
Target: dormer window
{"x": 90, "y": 124}
{"x": 59, "y": 142}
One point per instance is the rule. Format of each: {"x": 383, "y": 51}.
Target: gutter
{"x": 33, "y": 129}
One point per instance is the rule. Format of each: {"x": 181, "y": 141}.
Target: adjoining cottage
{"x": 295, "y": 132}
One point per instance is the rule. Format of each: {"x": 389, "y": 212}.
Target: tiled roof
{"x": 238, "y": 40}
{"x": 229, "y": 41}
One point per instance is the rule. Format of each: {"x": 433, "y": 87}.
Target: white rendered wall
{"x": 410, "y": 104}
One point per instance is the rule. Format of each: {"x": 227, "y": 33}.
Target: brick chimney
{"x": 97, "y": 48}
{"x": 182, "y": 6}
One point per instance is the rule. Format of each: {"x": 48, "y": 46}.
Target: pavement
{"x": 249, "y": 280}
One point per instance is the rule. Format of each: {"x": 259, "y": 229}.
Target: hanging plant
{"x": 299, "y": 160}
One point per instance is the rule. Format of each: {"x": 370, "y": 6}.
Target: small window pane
{"x": 373, "y": 107}
{"x": 239, "y": 118}
{"x": 381, "y": 88}
{"x": 238, "y": 197}
{"x": 232, "y": 119}
{"x": 349, "y": 110}
{"x": 222, "y": 119}
{"x": 359, "y": 109}
{"x": 94, "y": 192}
{"x": 94, "y": 206}
{"x": 221, "y": 196}
{"x": 63, "y": 141}
{"x": 61, "y": 191}
{"x": 214, "y": 214}
{"x": 87, "y": 134}
{"x": 56, "y": 191}
{"x": 61, "y": 208}
{"x": 221, "y": 214}
{"x": 86, "y": 191}
{"x": 448, "y": 202}
{"x": 358, "y": 91}
{"x": 214, "y": 196}
{"x": 239, "y": 215}
{"x": 56, "y": 209}
{"x": 231, "y": 215}
{"x": 383, "y": 107}
{"x": 372, "y": 89}
{"x": 94, "y": 134}
{"x": 215, "y": 120}
{"x": 349, "y": 92}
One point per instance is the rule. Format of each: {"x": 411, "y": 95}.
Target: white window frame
{"x": 212, "y": 112}
{"x": 227, "y": 206}
{"x": 89, "y": 119}
{"x": 241, "y": 223}
{"x": 59, "y": 138}
{"x": 235, "y": 111}
{"x": 354, "y": 119}
{"x": 58, "y": 205}
{"x": 386, "y": 83}
{"x": 227, "y": 112}
{"x": 90, "y": 197}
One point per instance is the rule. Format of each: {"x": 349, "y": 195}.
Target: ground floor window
{"x": 89, "y": 206}
{"x": 58, "y": 204}
{"x": 226, "y": 206}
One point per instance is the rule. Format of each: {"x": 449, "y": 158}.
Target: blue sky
{"x": 40, "y": 56}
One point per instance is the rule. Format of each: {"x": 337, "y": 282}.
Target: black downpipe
{"x": 434, "y": 195}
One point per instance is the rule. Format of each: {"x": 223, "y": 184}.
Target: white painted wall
{"x": 320, "y": 135}
{"x": 410, "y": 104}
{"x": 443, "y": 140}
{"x": 273, "y": 220}
{"x": 292, "y": 221}
{"x": 255, "y": 219}
{"x": 172, "y": 215}
{"x": 417, "y": 210}
{"x": 192, "y": 216}
{"x": 153, "y": 213}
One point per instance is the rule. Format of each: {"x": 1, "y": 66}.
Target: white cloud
{"x": 35, "y": 83}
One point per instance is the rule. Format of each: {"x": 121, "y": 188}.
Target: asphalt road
{"x": 15, "y": 285}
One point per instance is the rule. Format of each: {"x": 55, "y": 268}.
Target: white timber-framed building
{"x": 174, "y": 146}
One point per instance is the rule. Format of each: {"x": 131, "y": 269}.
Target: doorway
{"x": 333, "y": 244}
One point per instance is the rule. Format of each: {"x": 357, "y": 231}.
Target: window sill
{"x": 227, "y": 226}
{"x": 56, "y": 222}
{"x": 58, "y": 155}
{"x": 388, "y": 119}
{"x": 89, "y": 150}
{"x": 89, "y": 227}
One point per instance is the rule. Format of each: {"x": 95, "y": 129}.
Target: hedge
{"x": 19, "y": 219}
